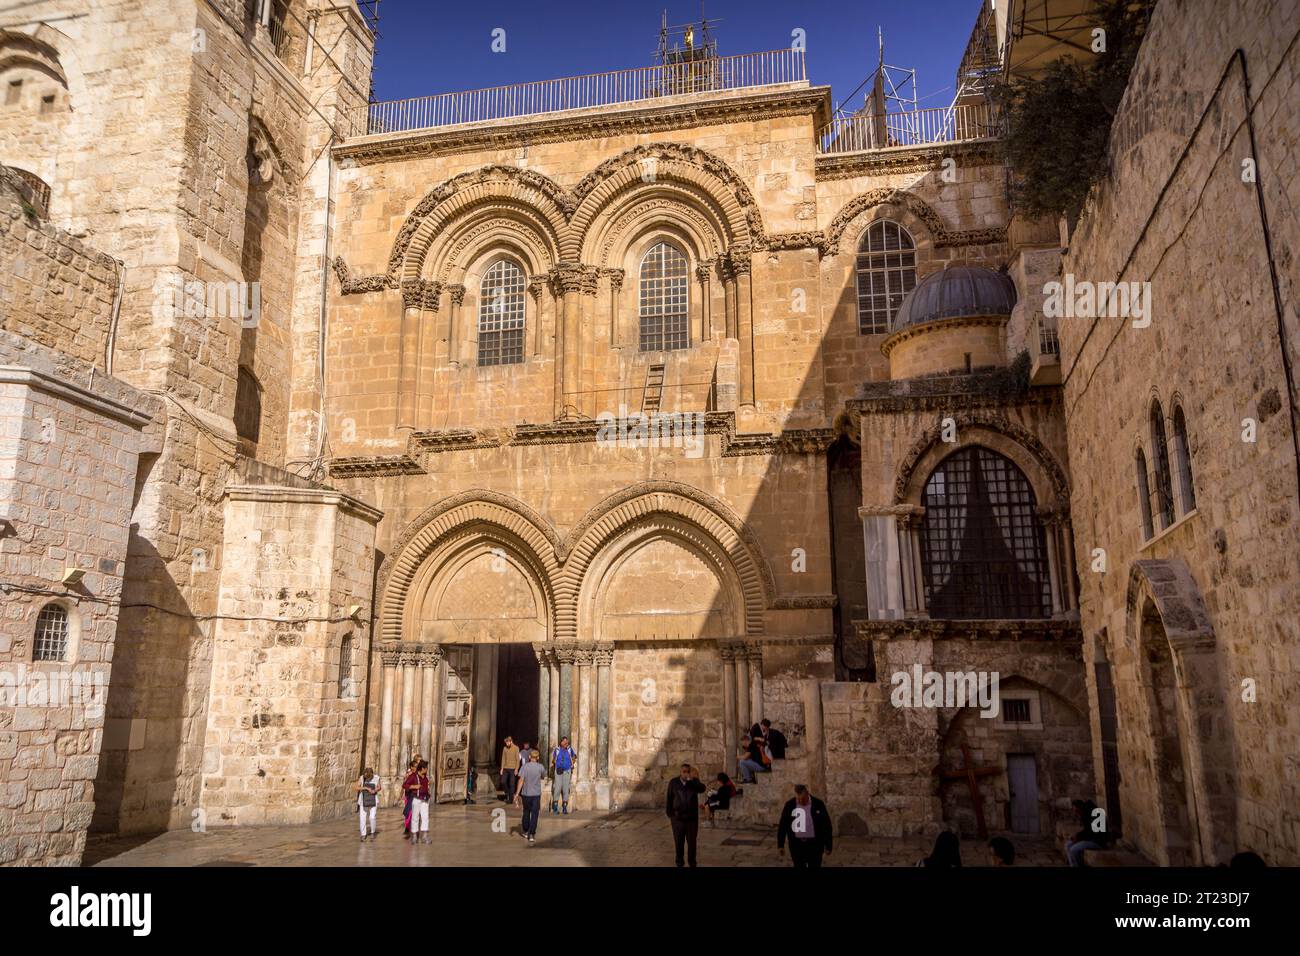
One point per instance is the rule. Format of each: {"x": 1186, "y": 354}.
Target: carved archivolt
{"x": 909, "y": 481}
{"x": 647, "y": 508}
{"x": 940, "y": 234}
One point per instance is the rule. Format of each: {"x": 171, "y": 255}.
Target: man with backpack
{"x": 563, "y": 760}
{"x": 367, "y": 801}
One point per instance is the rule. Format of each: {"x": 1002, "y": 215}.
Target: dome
{"x": 956, "y": 292}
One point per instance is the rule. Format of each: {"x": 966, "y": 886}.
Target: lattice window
{"x": 983, "y": 550}
{"x": 664, "y": 299}
{"x": 346, "y": 686}
{"x": 1183, "y": 460}
{"x": 51, "y": 642}
{"x": 1144, "y": 493}
{"x": 1164, "y": 485}
{"x": 886, "y": 273}
{"x": 1016, "y": 710}
{"x": 501, "y": 315}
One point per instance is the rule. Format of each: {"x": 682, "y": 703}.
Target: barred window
{"x": 51, "y": 634}
{"x": 1183, "y": 459}
{"x": 1144, "y": 494}
{"x": 886, "y": 273}
{"x": 983, "y": 550}
{"x": 1164, "y": 488}
{"x": 663, "y": 291}
{"x": 347, "y": 689}
{"x": 501, "y": 315}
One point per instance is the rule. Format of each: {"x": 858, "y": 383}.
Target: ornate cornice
{"x": 652, "y": 117}
{"x": 905, "y": 159}
{"x": 805, "y": 602}
{"x": 451, "y": 439}
{"x": 1059, "y": 631}
{"x": 375, "y": 466}
{"x": 353, "y": 285}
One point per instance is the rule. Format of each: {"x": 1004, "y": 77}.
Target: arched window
{"x": 51, "y": 642}
{"x": 1160, "y": 459}
{"x": 501, "y": 315}
{"x": 1183, "y": 459}
{"x": 346, "y": 687}
{"x": 1144, "y": 494}
{"x": 983, "y": 551}
{"x": 886, "y": 273}
{"x": 663, "y": 296}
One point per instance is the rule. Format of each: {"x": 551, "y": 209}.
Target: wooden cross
{"x": 971, "y": 774}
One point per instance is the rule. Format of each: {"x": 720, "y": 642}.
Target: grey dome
{"x": 956, "y": 292}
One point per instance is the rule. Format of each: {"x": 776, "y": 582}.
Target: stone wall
{"x": 69, "y": 445}
{"x": 1181, "y": 212}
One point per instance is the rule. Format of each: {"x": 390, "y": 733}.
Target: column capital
{"x": 615, "y": 277}
{"x": 457, "y": 293}
{"x": 431, "y": 657}
{"x": 704, "y": 272}
{"x": 584, "y": 655}
{"x": 421, "y": 293}
{"x": 754, "y": 651}
{"x": 566, "y": 654}
{"x": 569, "y": 277}
{"x": 604, "y": 654}
{"x": 390, "y": 656}
{"x": 731, "y": 650}
{"x": 738, "y": 256}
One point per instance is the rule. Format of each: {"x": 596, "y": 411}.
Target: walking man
{"x": 807, "y": 825}
{"x": 528, "y": 794}
{"x": 563, "y": 760}
{"x": 367, "y": 801}
{"x": 417, "y": 785}
{"x": 683, "y": 809}
{"x": 509, "y": 767}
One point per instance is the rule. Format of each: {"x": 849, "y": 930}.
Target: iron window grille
{"x": 501, "y": 315}
{"x": 1144, "y": 493}
{"x": 51, "y": 634}
{"x": 663, "y": 289}
{"x": 345, "y": 668}
{"x": 983, "y": 550}
{"x": 1164, "y": 485}
{"x": 1016, "y": 711}
{"x": 886, "y": 271}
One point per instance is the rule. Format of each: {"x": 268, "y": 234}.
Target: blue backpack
{"x": 563, "y": 759}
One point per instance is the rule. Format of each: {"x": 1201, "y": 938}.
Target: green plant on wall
{"x": 1058, "y": 123}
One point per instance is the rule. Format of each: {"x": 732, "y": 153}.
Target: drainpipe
{"x": 120, "y": 268}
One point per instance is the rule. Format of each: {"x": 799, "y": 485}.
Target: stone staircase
{"x": 760, "y": 803}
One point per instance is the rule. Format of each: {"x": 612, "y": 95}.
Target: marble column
{"x": 604, "y": 687}
{"x": 565, "y": 655}
{"x": 1067, "y": 564}
{"x": 553, "y": 719}
{"x": 388, "y": 659}
{"x": 408, "y": 346}
{"x": 730, "y": 721}
{"x": 453, "y": 325}
{"x": 740, "y": 264}
{"x": 729, "y": 291}
{"x": 754, "y": 653}
{"x": 742, "y": 689}
{"x": 615, "y": 287}
{"x": 428, "y": 692}
{"x": 584, "y": 737}
{"x": 543, "y": 702}
{"x": 702, "y": 273}
{"x": 410, "y": 672}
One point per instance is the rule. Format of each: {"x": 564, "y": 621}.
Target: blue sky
{"x": 438, "y": 47}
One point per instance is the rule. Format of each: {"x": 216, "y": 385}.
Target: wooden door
{"x": 456, "y": 714}
{"x": 1022, "y": 779}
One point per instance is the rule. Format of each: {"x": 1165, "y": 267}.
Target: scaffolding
{"x": 688, "y": 59}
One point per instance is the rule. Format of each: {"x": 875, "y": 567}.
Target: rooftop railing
{"x": 697, "y": 75}
{"x": 948, "y": 124}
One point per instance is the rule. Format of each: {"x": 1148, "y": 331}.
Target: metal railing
{"x": 705, "y": 75}
{"x": 948, "y": 124}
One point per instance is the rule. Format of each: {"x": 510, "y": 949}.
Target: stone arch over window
{"x": 983, "y": 548}
{"x": 1162, "y": 485}
{"x": 1190, "y": 764}
{"x": 663, "y": 298}
{"x": 55, "y": 634}
{"x": 1144, "y": 492}
{"x": 885, "y": 272}
{"x": 1183, "y": 462}
{"x": 465, "y": 533}
{"x": 501, "y": 313}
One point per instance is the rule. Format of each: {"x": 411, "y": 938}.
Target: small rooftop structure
{"x": 956, "y": 292}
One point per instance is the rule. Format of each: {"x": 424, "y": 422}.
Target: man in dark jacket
{"x": 807, "y": 825}
{"x": 776, "y": 741}
{"x": 683, "y": 809}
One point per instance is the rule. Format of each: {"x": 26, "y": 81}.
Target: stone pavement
{"x": 464, "y": 836}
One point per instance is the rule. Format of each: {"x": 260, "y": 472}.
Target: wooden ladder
{"x": 652, "y": 395}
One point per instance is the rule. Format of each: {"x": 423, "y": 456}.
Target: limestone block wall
{"x": 69, "y": 443}
{"x": 666, "y": 709}
{"x": 284, "y": 725}
{"x": 58, "y": 292}
{"x": 1217, "y": 345}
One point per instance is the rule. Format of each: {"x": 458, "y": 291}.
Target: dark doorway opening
{"x": 518, "y": 674}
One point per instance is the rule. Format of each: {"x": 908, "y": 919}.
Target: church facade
{"x": 632, "y": 420}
